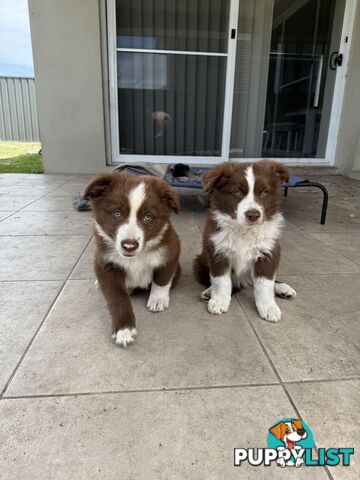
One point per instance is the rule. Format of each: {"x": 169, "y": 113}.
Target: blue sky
{"x": 15, "y": 41}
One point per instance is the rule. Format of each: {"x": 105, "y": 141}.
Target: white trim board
{"x": 340, "y": 82}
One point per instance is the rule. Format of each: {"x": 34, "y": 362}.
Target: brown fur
{"x": 221, "y": 182}
{"x": 240, "y": 239}
{"x": 108, "y": 193}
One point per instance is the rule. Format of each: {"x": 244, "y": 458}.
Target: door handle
{"x": 318, "y": 82}
{"x": 336, "y": 60}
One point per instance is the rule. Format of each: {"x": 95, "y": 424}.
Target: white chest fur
{"x": 139, "y": 270}
{"x": 243, "y": 245}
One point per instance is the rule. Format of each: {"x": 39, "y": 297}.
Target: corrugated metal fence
{"x": 18, "y": 113}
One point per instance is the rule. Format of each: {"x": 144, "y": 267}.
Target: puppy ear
{"x": 169, "y": 197}
{"x": 216, "y": 177}
{"x": 281, "y": 170}
{"x": 276, "y": 168}
{"x": 276, "y": 431}
{"x": 98, "y": 186}
{"x": 297, "y": 423}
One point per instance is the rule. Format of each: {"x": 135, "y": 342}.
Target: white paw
{"x": 125, "y": 336}
{"x": 218, "y": 306}
{"x": 284, "y": 290}
{"x": 271, "y": 313}
{"x": 158, "y": 304}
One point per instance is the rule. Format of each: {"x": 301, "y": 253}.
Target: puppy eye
{"x": 264, "y": 194}
{"x": 147, "y": 218}
{"x": 238, "y": 193}
{"x": 287, "y": 431}
{"x": 116, "y": 214}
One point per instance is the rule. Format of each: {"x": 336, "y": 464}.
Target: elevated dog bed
{"x": 183, "y": 176}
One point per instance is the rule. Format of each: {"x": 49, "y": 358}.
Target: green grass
{"x": 20, "y": 157}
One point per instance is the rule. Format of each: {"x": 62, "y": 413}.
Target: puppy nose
{"x": 301, "y": 431}
{"x": 130, "y": 245}
{"x": 252, "y": 215}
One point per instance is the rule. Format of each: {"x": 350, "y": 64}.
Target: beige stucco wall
{"x": 348, "y": 147}
{"x": 67, "y": 60}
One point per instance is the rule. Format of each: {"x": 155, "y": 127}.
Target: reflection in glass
{"x": 170, "y": 104}
{"x": 284, "y": 86}
{"x": 195, "y": 25}
{"x": 298, "y": 69}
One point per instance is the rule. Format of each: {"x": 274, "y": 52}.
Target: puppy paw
{"x": 206, "y": 295}
{"x": 124, "y": 336}
{"x": 217, "y": 306}
{"x": 270, "y": 313}
{"x": 157, "y": 304}
{"x": 283, "y": 290}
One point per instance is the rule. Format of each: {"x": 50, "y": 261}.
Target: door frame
{"x": 113, "y": 93}
{"x": 336, "y": 108}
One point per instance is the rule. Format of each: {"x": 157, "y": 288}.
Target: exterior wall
{"x": 348, "y": 148}
{"x": 67, "y": 59}
{"x": 69, "y": 88}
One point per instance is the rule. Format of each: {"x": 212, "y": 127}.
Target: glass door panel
{"x": 284, "y": 79}
{"x": 170, "y": 104}
{"x": 171, "y": 68}
{"x": 196, "y": 25}
{"x": 299, "y": 76}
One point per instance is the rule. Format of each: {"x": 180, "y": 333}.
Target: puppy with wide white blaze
{"x": 136, "y": 245}
{"x": 241, "y": 238}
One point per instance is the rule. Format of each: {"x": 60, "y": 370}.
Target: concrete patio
{"x": 176, "y": 403}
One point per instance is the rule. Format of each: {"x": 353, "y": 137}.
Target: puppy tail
{"x": 201, "y": 271}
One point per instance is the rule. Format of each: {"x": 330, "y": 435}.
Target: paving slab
{"x": 345, "y": 243}
{"x": 13, "y": 204}
{"x": 331, "y": 408}
{"x": 4, "y": 215}
{"x": 8, "y": 190}
{"x": 303, "y": 254}
{"x": 305, "y": 212}
{"x": 182, "y": 347}
{"x": 318, "y": 335}
{"x": 28, "y": 179}
{"x": 23, "y": 308}
{"x": 70, "y": 188}
{"x": 52, "y": 203}
{"x": 47, "y": 223}
{"x": 143, "y": 436}
{"x": 39, "y": 257}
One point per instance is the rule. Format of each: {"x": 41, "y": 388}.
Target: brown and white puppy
{"x": 136, "y": 245}
{"x": 241, "y": 238}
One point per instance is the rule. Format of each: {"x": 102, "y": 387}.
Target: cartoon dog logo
{"x": 289, "y": 432}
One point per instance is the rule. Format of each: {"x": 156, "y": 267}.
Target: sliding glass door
{"x": 213, "y": 80}
{"x": 286, "y": 67}
{"x": 172, "y": 78}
